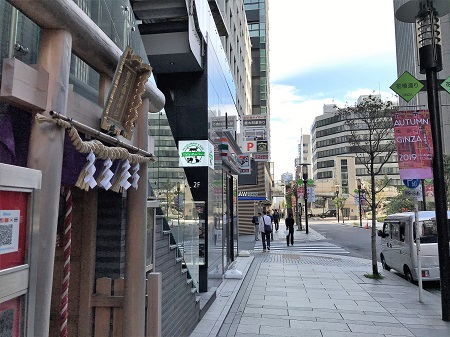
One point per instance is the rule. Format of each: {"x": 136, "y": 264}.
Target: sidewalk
{"x": 285, "y": 293}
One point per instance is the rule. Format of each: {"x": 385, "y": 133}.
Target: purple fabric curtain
{"x": 7, "y": 144}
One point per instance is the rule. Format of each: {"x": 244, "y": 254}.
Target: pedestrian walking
{"x": 265, "y": 227}
{"x": 276, "y": 219}
{"x": 290, "y": 228}
{"x": 255, "y": 222}
{"x": 269, "y": 214}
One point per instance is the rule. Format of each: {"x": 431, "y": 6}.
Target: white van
{"x": 398, "y": 247}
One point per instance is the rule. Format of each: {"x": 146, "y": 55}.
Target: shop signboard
{"x": 254, "y": 120}
{"x": 221, "y": 123}
{"x": 196, "y": 153}
{"x": 256, "y": 146}
{"x": 13, "y": 228}
{"x": 244, "y": 163}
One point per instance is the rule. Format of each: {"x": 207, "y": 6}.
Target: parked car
{"x": 399, "y": 248}
{"x": 331, "y": 213}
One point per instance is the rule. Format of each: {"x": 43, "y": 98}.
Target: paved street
{"x": 295, "y": 291}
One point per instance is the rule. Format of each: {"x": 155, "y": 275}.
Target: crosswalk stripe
{"x": 319, "y": 247}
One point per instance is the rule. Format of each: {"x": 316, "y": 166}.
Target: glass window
{"x": 395, "y": 231}
{"x": 386, "y": 230}
{"x": 429, "y": 232}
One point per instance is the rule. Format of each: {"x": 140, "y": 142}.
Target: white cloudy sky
{"x": 322, "y": 52}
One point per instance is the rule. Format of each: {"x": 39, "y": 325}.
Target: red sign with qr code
{"x": 13, "y": 228}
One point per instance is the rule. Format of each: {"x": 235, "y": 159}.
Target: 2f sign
{"x": 249, "y": 147}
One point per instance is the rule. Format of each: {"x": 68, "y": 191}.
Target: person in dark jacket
{"x": 276, "y": 219}
{"x": 290, "y": 227}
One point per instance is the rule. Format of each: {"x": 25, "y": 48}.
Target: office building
{"x": 259, "y": 184}
{"x": 335, "y": 167}
{"x": 202, "y": 65}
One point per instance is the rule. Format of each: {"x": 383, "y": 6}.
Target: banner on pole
{"x": 412, "y": 135}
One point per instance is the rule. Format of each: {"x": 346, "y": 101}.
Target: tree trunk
{"x": 374, "y": 228}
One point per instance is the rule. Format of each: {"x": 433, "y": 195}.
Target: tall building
{"x": 304, "y": 155}
{"x": 407, "y": 60}
{"x": 330, "y": 139}
{"x": 202, "y": 65}
{"x": 261, "y": 182}
{"x": 236, "y": 42}
{"x": 334, "y": 164}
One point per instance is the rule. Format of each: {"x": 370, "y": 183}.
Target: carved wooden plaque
{"x": 125, "y": 95}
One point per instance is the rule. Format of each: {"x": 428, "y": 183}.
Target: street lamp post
{"x": 298, "y": 217}
{"x": 178, "y": 204}
{"x": 425, "y": 13}
{"x": 337, "y": 203}
{"x": 358, "y": 182}
{"x": 305, "y": 193}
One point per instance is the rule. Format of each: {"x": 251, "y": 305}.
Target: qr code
{"x": 6, "y": 232}
{"x": 6, "y": 323}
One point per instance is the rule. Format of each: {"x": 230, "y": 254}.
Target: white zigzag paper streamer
{"x": 125, "y": 175}
{"x": 90, "y": 170}
{"x": 135, "y": 176}
{"x": 106, "y": 174}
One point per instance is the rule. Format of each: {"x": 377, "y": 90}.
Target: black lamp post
{"x": 358, "y": 183}
{"x": 337, "y": 203}
{"x": 425, "y": 14}
{"x": 305, "y": 183}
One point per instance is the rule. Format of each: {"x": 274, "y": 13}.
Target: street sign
{"x": 406, "y": 86}
{"x": 411, "y": 183}
{"x": 446, "y": 85}
{"x": 412, "y": 193}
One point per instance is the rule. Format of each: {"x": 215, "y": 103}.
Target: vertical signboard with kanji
{"x": 412, "y": 135}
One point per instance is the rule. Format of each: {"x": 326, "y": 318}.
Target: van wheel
{"x": 383, "y": 262}
{"x": 408, "y": 275}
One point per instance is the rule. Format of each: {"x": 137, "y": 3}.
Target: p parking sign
{"x": 411, "y": 183}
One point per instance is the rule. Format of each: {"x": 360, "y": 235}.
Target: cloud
{"x": 309, "y": 35}
{"x": 324, "y": 52}
{"x": 353, "y": 95}
{"x": 291, "y": 115}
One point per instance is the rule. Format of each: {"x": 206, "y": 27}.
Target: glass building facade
{"x": 199, "y": 204}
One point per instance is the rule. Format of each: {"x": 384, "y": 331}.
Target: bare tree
{"x": 370, "y": 134}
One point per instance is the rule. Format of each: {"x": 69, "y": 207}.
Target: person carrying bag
{"x": 265, "y": 227}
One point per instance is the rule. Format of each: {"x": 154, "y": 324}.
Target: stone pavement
{"x": 288, "y": 293}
